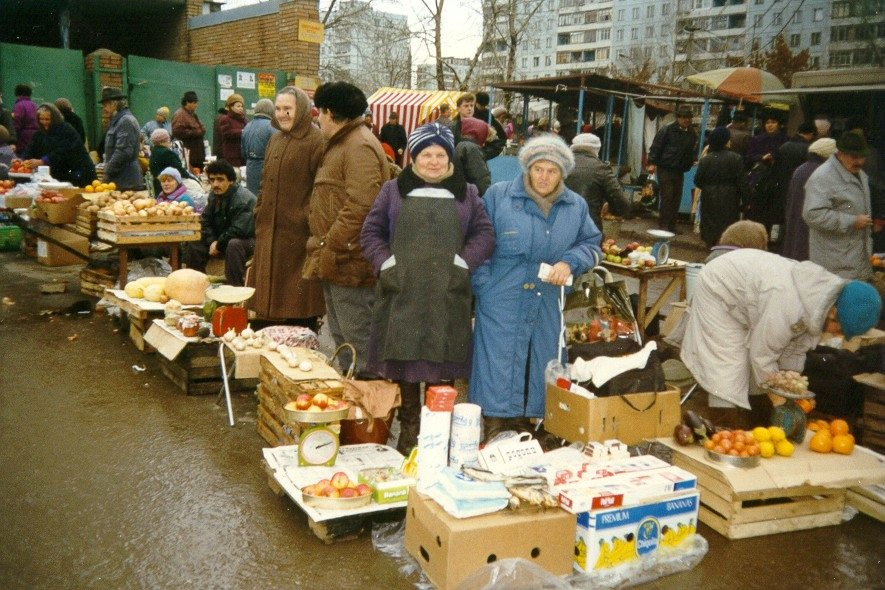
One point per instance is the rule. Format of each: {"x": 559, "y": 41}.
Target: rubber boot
{"x": 491, "y": 426}
{"x": 409, "y": 416}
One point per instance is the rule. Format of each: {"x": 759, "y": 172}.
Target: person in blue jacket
{"x": 536, "y": 220}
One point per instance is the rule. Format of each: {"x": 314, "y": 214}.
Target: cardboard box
{"x": 630, "y": 417}
{"x": 48, "y": 254}
{"x": 609, "y": 538}
{"x": 60, "y": 213}
{"x": 17, "y": 202}
{"x": 450, "y": 549}
{"x": 624, "y": 490}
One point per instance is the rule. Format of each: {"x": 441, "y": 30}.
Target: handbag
{"x": 599, "y": 309}
{"x": 372, "y": 403}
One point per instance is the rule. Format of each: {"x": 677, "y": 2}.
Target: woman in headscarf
{"x": 57, "y": 145}
{"x": 291, "y": 161}
{"x": 253, "y": 144}
{"x": 723, "y": 184}
{"x": 163, "y": 157}
{"x": 796, "y": 232}
{"x": 426, "y": 233}
{"x": 231, "y": 125}
{"x": 537, "y": 221}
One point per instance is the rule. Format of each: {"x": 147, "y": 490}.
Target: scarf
{"x": 453, "y": 181}
{"x": 544, "y": 203}
{"x": 173, "y": 196}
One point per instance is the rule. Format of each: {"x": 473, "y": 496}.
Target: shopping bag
{"x": 372, "y": 403}
{"x": 599, "y": 310}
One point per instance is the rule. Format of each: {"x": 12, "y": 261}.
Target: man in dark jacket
{"x": 788, "y": 157}
{"x": 227, "y": 225}
{"x": 121, "y": 142}
{"x": 72, "y": 118}
{"x": 493, "y": 147}
{"x": 671, "y": 155}
{"x": 740, "y": 137}
{"x": 394, "y": 135}
{"x": 594, "y": 180}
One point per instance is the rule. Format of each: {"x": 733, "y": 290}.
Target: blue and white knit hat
{"x": 547, "y": 147}
{"x": 431, "y": 134}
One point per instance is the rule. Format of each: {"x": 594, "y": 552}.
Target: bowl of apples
{"x": 337, "y": 493}
{"x": 316, "y": 409}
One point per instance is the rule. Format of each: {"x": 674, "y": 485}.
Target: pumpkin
{"x": 155, "y": 293}
{"x": 187, "y": 286}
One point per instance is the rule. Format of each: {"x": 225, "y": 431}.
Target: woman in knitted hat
{"x": 724, "y": 189}
{"x": 754, "y": 313}
{"x": 231, "y": 125}
{"x": 537, "y": 221}
{"x": 57, "y": 145}
{"x": 796, "y": 230}
{"x": 172, "y": 189}
{"x": 426, "y": 233}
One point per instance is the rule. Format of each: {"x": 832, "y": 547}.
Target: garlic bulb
{"x": 247, "y": 333}
{"x": 305, "y": 365}
{"x": 271, "y": 345}
{"x": 240, "y": 344}
{"x": 230, "y": 335}
{"x": 256, "y": 343}
{"x": 292, "y": 362}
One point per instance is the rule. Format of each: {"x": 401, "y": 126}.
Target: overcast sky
{"x": 462, "y": 23}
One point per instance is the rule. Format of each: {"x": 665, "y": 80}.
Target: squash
{"x": 187, "y": 286}
{"x": 134, "y": 290}
{"x": 155, "y": 293}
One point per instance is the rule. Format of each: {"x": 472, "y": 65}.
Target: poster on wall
{"x": 225, "y": 81}
{"x": 223, "y": 93}
{"x": 246, "y": 80}
{"x": 267, "y": 86}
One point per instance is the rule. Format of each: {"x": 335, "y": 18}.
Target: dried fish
{"x": 482, "y": 474}
{"x": 534, "y": 496}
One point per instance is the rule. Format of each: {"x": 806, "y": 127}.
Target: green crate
{"x": 10, "y": 237}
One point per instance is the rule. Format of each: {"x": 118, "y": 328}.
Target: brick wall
{"x": 107, "y": 60}
{"x": 269, "y": 41}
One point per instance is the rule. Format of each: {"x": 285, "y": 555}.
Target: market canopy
{"x": 414, "y": 107}
{"x": 744, "y": 83}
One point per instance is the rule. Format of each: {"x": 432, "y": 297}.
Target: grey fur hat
{"x": 547, "y": 147}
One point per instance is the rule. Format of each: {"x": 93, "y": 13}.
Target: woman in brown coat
{"x": 291, "y": 162}
{"x": 353, "y": 170}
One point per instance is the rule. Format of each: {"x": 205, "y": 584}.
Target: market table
{"x": 673, "y": 271}
{"x": 781, "y": 494}
{"x": 123, "y": 253}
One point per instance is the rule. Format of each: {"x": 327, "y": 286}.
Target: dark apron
{"x": 422, "y": 309}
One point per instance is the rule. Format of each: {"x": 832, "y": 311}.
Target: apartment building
{"x": 454, "y": 73}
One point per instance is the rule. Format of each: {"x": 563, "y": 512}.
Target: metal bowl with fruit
{"x": 316, "y": 409}
{"x": 337, "y": 493}
{"x": 732, "y": 461}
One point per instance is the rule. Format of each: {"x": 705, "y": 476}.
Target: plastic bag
{"x": 599, "y": 309}
{"x": 514, "y": 573}
{"x": 147, "y": 267}
{"x": 389, "y": 538}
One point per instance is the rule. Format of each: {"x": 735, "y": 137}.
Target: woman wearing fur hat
{"x": 231, "y": 125}
{"x": 57, "y": 145}
{"x": 291, "y": 161}
{"x": 426, "y": 232}
{"x": 253, "y": 144}
{"x": 724, "y": 189}
{"x": 537, "y": 220}
{"x": 796, "y": 230}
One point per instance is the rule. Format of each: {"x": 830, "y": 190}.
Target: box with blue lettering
{"x": 612, "y": 537}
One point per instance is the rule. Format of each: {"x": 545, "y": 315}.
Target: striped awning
{"x": 439, "y": 97}
{"x": 406, "y": 103}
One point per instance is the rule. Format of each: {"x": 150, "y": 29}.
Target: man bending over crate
{"x": 227, "y": 225}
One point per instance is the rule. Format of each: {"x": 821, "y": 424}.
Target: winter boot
{"x": 491, "y": 426}
{"x": 409, "y": 416}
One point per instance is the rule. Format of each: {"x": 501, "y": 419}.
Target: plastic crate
{"x": 10, "y": 237}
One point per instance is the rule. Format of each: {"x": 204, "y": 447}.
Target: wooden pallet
{"x": 738, "y": 515}
{"x": 135, "y": 229}
{"x": 868, "y": 499}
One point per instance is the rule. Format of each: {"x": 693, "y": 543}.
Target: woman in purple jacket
{"x": 426, "y": 233}
{"x": 24, "y": 117}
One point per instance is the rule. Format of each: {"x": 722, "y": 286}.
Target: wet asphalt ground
{"x": 110, "y": 477}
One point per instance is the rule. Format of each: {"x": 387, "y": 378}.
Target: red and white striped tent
{"x": 410, "y": 105}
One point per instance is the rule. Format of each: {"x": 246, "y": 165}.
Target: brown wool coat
{"x": 281, "y": 232}
{"x": 354, "y": 168}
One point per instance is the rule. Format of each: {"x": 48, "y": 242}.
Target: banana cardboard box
{"x": 609, "y": 538}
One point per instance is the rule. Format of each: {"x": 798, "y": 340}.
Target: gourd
{"x": 155, "y": 293}
{"x": 134, "y": 290}
{"x": 187, "y": 285}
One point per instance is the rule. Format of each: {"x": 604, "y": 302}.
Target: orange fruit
{"x": 806, "y": 404}
{"x": 821, "y": 443}
{"x": 843, "y": 444}
{"x": 89, "y": 189}
{"x": 838, "y": 426}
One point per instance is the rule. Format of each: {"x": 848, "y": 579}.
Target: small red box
{"x": 440, "y": 398}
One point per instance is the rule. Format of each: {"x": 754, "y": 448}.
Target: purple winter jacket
{"x": 796, "y": 231}
{"x": 24, "y": 117}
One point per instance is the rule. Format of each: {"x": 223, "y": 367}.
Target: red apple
{"x": 340, "y": 480}
{"x": 649, "y": 263}
{"x": 321, "y": 400}
{"x": 302, "y": 402}
{"x": 363, "y": 489}
{"x": 314, "y": 409}
{"x": 322, "y": 483}
{"x": 309, "y": 490}
{"x": 331, "y": 492}
{"x": 349, "y": 493}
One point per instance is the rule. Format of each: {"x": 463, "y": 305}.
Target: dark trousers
{"x": 237, "y": 253}
{"x": 670, "y": 189}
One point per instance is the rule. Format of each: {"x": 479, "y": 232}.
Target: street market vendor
{"x": 57, "y": 145}
{"x": 754, "y": 313}
{"x": 227, "y": 225}
{"x": 172, "y": 188}
{"x": 536, "y": 220}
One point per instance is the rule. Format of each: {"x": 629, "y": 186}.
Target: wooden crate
{"x": 86, "y": 223}
{"x": 873, "y": 424}
{"x": 758, "y": 512}
{"x": 94, "y": 281}
{"x": 137, "y": 329}
{"x": 135, "y": 229}
{"x": 197, "y": 371}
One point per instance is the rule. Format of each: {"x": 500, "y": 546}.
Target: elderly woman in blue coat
{"x": 537, "y": 220}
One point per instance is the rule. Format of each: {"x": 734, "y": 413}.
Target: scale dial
{"x": 318, "y": 446}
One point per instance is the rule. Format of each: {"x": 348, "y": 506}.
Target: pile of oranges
{"x": 98, "y": 186}
{"x": 831, "y": 437}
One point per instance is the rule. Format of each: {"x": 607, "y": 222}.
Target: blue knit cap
{"x": 858, "y": 308}
{"x": 431, "y": 134}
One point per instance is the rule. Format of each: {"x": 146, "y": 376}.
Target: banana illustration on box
{"x": 410, "y": 465}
